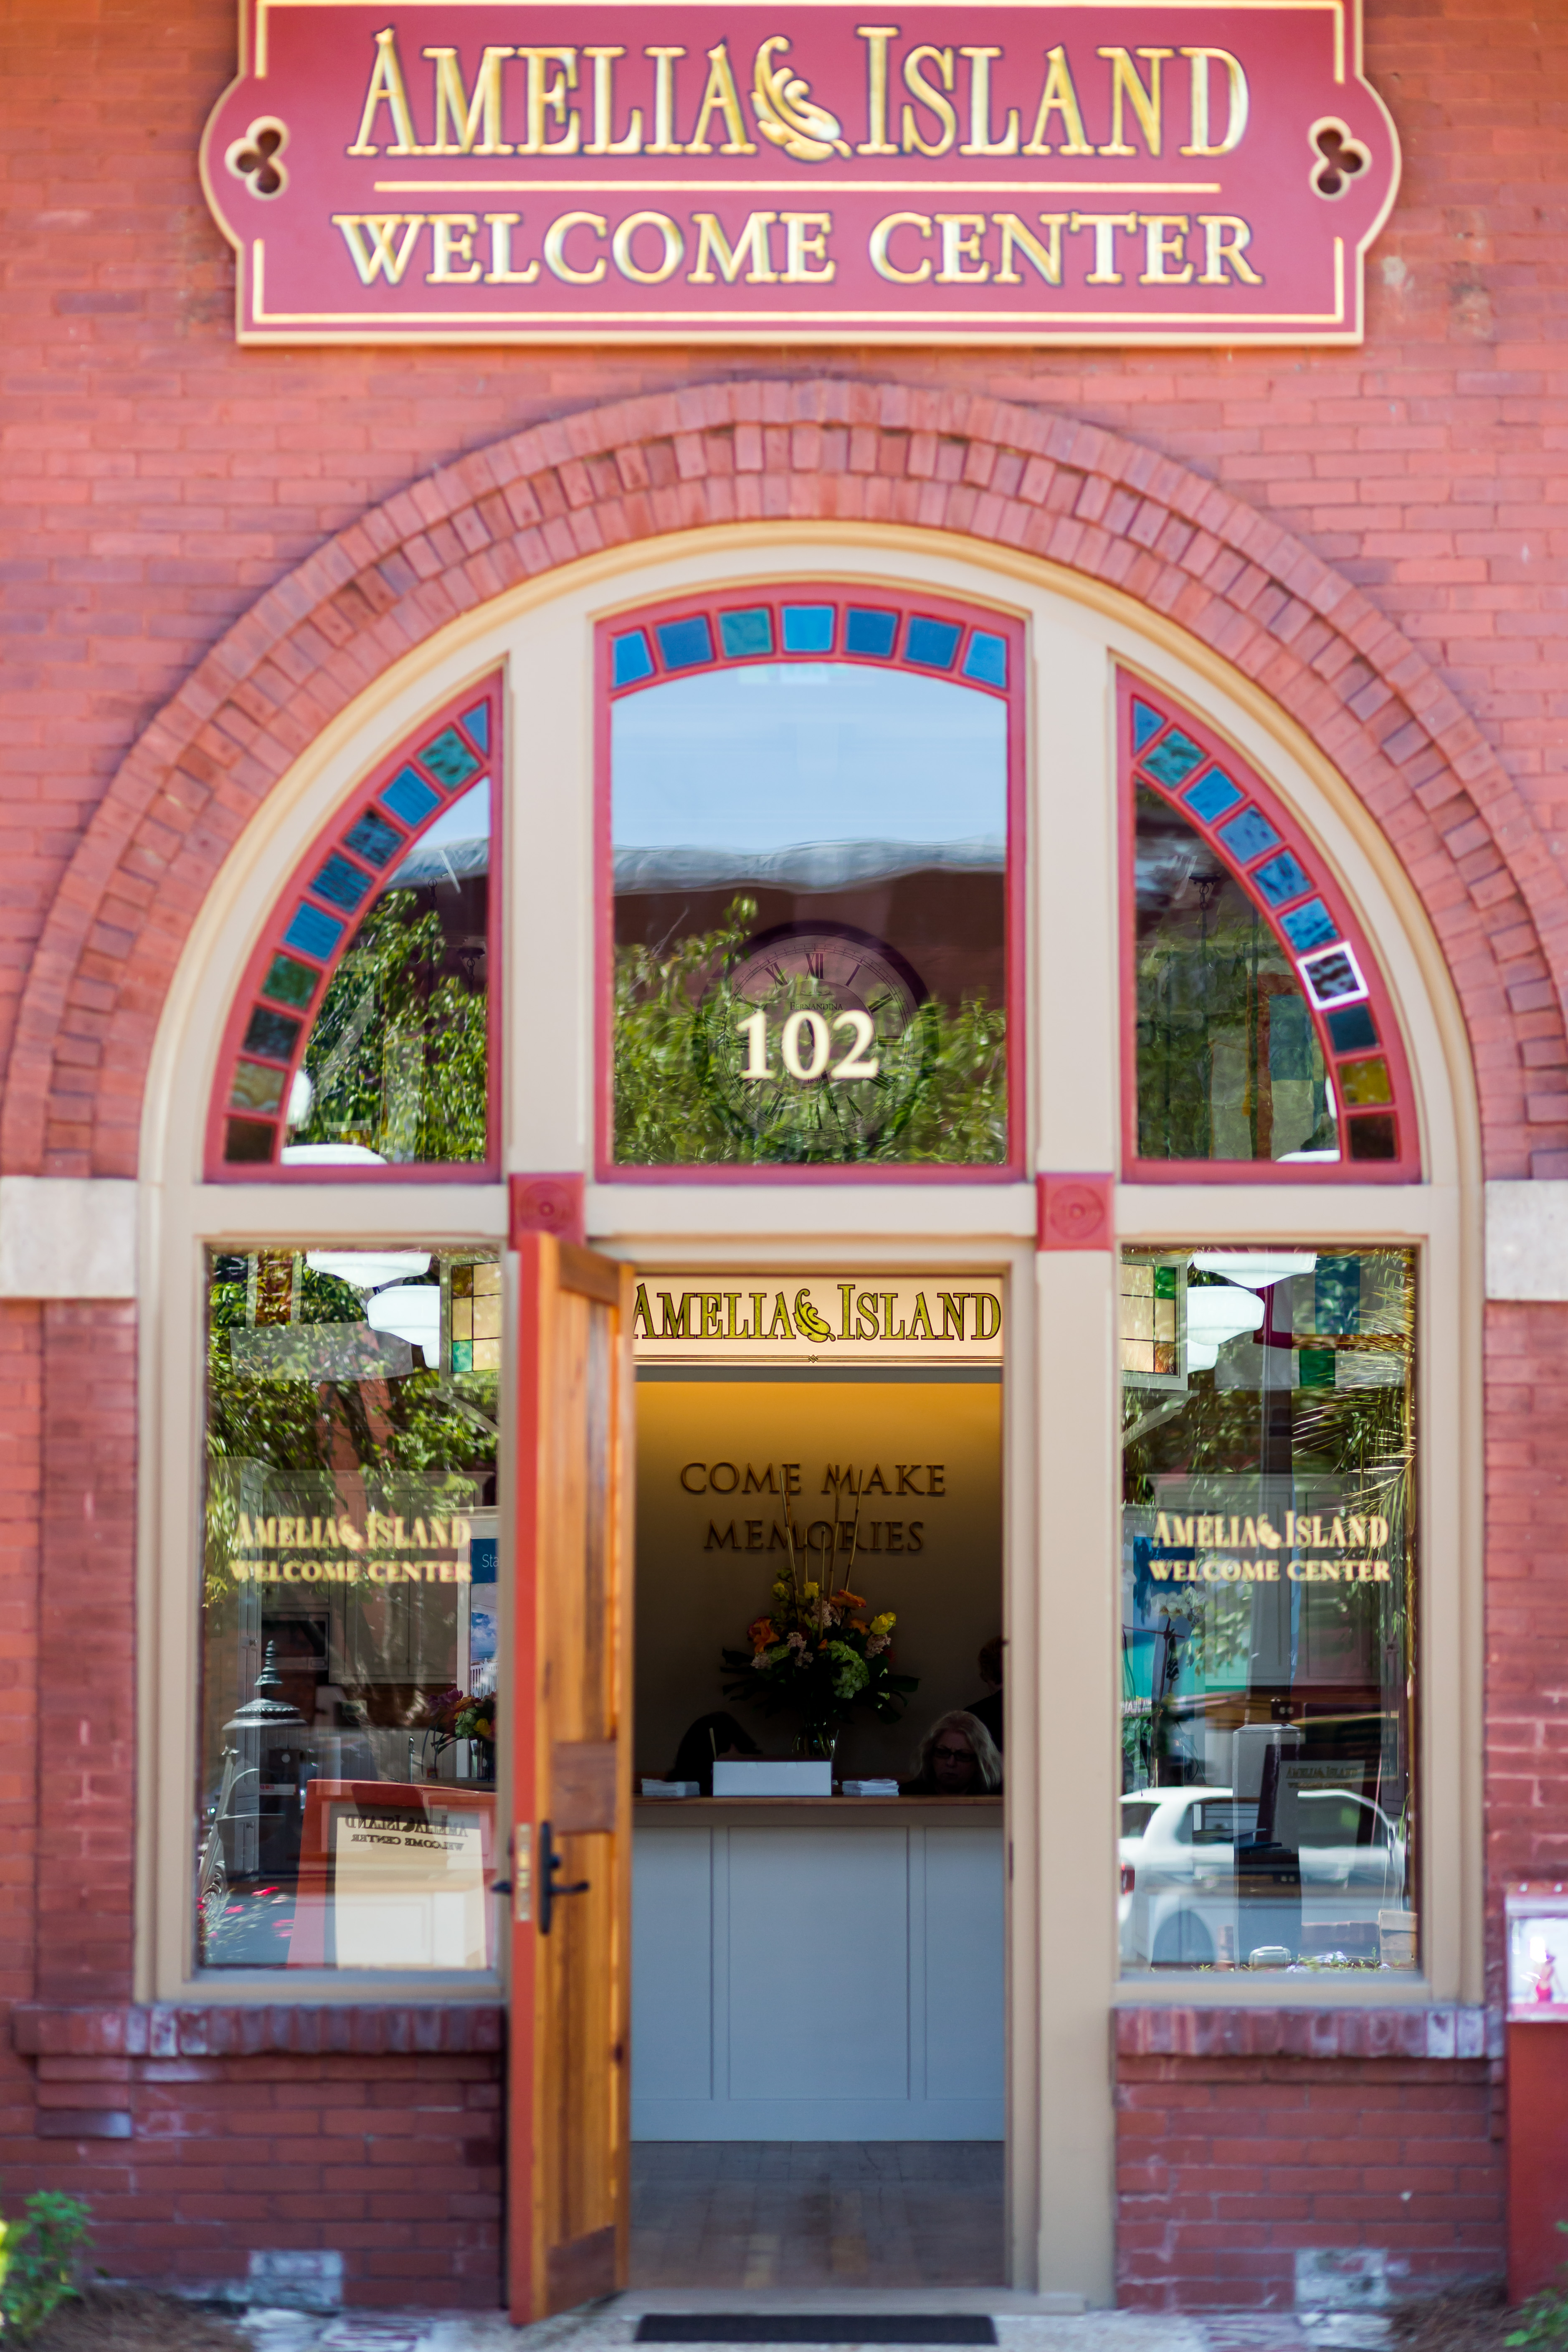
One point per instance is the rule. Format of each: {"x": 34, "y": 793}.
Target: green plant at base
{"x": 41, "y": 2256}
{"x": 1544, "y": 2317}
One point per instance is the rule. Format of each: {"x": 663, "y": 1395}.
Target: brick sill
{"x": 1423, "y": 2031}
{"x": 303, "y": 2030}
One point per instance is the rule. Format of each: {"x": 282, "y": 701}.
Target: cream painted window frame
{"x": 1060, "y": 1414}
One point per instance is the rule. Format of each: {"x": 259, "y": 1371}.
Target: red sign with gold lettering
{"x": 518, "y": 171}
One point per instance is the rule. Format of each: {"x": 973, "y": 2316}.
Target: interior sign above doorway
{"x": 835, "y": 1319}
{"x": 503, "y": 171}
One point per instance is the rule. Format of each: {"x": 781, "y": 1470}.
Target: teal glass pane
{"x": 1173, "y": 761}
{"x": 344, "y": 884}
{"x": 630, "y": 659}
{"x": 1246, "y": 836}
{"x": 408, "y": 797}
{"x": 287, "y": 983}
{"x": 932, "y": 644}
{"x": 871, "y": 635}
{"x": 449, "y": 759}
{"x": 987, "y": 659}
{"x": 1311, "y": 925}
{"x": 1284, "y": 877}
{"x": 372, "y": 839}
{"x": 683, "y": 645}
{"x": 746, "y": 634}
{"x": 1336, "y": 1295}
{"x": 477, "y": 722}
{"x": 313, "y": 933}
{"x": 1229, "y": 1063}
{"x": 808, "y": 628}
{"x": 1353, "y": 1029}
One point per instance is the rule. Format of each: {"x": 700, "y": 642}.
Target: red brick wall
{"x": 156, "y": 481}
{"x": 1226, "y": 2166}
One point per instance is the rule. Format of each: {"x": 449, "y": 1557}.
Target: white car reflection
{"x": 1177, "y": 1907}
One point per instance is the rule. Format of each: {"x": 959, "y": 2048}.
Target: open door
{"x": 568, "y": 2125}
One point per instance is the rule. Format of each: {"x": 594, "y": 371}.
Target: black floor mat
{"x": 814, "y": 2328}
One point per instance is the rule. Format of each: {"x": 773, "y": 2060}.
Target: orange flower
{"x": 848, "y": 1599}
{"x": 761, "y": 1632}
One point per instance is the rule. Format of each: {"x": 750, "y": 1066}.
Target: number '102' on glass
{"x": 812, "y": 832}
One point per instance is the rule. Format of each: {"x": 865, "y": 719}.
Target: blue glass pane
{"x": 1311, "y": 925}
{"x": 1350, "y": 1030}
{"x": 449, "y": 759}
{"x": 344, "y": 884}
{"x": 289, "y": 983}
{"x": 1246, "y": 836}
{"x": 870, "y": 633}
{"x": 987, "y": 659}
{"x": 313, "y": 933}
{"x": 372, "y": 839}
{"x": 1171, "y": 761}
{"x": 1145, "y": 722}
{"x": 631, "y": 658}
{"x": 409, "y": 797}
{"x": 931, "y": 643}
{"x": 1212, "y": 794}
{"x": 808, "y": 628}
{"x": 477, "y": 722}
{"x": 1283, "y": 878}
{"x": 746, "y": 632}
{"x": 272, "y": 1034}
{"x": 684, "y": 643}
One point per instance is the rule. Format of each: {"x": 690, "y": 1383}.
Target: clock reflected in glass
{"x": 817, "y": 1043}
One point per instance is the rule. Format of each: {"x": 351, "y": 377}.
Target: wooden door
{"x": 571, "y": 1909}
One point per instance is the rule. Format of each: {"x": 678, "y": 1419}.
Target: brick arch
{"x": 1016, "y": 478}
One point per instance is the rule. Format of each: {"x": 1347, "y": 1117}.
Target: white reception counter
{"x": 818, "y": 1969}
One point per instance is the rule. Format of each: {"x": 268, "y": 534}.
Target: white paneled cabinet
{"x": 820, "y": 1973}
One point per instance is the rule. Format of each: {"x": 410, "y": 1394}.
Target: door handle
{"x": 550, "y": 1887}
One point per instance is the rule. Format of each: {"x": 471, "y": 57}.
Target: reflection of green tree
{"x": 1195, "y": 990}
{"x": 398, "y": 1056}
{"x": 303, "y": 1434}
{"x": 666, "y": 1110}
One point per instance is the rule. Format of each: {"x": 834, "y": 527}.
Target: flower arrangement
{"x": 815, "y": 1657}
{"x": 454, "y": 1714}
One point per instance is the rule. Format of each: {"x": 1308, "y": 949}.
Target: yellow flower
{"x": 885, "y": 1622}
{"x": 811, "y": 1591}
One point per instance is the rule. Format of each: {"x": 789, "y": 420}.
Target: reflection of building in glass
{"x": 1268, "y": 1586}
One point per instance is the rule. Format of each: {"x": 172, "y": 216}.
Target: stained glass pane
{"x": 1230, "y": 1066}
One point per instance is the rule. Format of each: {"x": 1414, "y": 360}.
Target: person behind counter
{"x": 710, "y": 1741}
{"x": 957, "y": 1758}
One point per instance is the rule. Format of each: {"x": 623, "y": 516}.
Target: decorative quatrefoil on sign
{"x": 256, "y": 158}
{"x": 1340, "y": 158}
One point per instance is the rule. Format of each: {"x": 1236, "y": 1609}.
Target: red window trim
{"x": 1321, "y": 885}
{"x": 905, "y": 605}
{"x": 298, "y": 894}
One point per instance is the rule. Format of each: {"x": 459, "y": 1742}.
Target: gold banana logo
{"x": 786, "y": 112}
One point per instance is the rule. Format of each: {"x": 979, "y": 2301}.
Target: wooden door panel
{"x": 569, "y": 2096}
